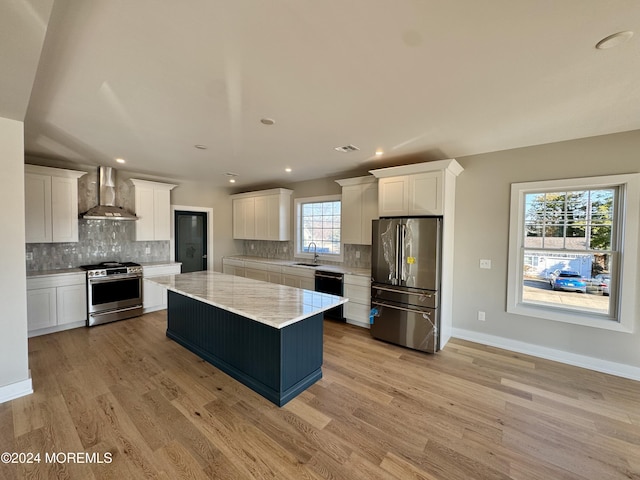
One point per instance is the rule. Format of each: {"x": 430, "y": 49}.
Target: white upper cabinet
{"x": 416, "y": 190}
{"x": 51, "y": 204}
{"x": 153, "y": 209}
{"x": 359, "y": 208}
{"x": 262, "y": 215}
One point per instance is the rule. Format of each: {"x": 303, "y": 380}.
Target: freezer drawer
{"x": 411, "y": 296}
{"x": 402, "y": 325}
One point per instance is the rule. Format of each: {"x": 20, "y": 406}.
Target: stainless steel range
{"x": 114, "y": 291}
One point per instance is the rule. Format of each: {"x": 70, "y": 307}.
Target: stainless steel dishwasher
{"x": 331, "y": 282}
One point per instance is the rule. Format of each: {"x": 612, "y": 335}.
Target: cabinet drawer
{"x": 299, "y": 271}
{"x": 256, "y": 274}
{"x": 255, "y": 265}
{"x": 233, "y": 262}
{"x": 357, "y": 294}
{"x": 156, "y": 271}
{"x": 357, "y": 280}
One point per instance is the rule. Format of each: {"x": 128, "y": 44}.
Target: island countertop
{"x": 268, "y": 303}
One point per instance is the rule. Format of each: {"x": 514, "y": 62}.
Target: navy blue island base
{"x": 277, "y": 363}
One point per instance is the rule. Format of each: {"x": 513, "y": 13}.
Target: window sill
{"x": 583, "y": 319}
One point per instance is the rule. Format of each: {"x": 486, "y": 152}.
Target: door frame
{"x": 172, "y": 239}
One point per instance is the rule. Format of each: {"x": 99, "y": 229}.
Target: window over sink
{"x": 318, "y": 227}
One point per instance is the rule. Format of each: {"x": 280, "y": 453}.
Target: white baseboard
{"x": 16, "y": 390}
{"x": 357, "y": 323}
{"x": 584, "y": 361}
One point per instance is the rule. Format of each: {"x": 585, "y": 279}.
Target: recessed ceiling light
{"x": 614, "y": 40}
{"x": 379, "y": 152}
{"x": 267, "y": 121}
{"x": 201, "y": 147}
{"x": 120, "y": 160}
{"x": 288, "y": 170}
{"x": 232, "y": 180}
{"x": 232, "y": 177}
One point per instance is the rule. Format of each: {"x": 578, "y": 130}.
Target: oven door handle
{"x": 114, "y": 278}
{"x": 331, "y": 277}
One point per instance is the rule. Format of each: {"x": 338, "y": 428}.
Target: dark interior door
{"x": 191, "y": 240}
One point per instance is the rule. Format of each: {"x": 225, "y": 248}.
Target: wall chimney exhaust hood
{"x": 106, "y": 208}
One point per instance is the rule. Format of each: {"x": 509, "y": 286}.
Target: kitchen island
{"x": 265, "y": 335}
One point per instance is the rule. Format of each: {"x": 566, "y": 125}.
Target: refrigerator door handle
{"x": 397, "y": 259}
{"x": 403, "y": 259}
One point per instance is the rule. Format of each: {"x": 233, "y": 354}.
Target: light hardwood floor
{"x": 381, "y": 411}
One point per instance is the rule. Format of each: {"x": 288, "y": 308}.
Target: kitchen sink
{"x": 307, "y": 264}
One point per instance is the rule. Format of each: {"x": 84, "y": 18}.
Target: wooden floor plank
{"x": 380, "y": 411}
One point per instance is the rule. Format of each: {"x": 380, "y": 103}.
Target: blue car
{"x": 569, "y": 281}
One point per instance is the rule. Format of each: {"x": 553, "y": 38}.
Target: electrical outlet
{"x": 484, "y": 263}
{"x": 252, "y": 246}
{"x": 29, "y": 256}
{"x": 147, "y": 250}
{"x": 481, "y": 316}
{"x": 357, "y": 253}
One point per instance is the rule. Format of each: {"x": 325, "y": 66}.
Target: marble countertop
{"x": 59, "y": 271}
{"x": 365, "y": 272}
{"x": 268, "y": 303}
{"x": 69, "y": 271}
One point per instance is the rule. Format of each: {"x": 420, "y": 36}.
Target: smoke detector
{"x": 347, "y": 148}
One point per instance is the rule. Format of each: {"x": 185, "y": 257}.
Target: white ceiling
{"x": 147, "y": 80}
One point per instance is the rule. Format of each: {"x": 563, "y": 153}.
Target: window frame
{"x": 623, "y": 311}
{"x": 299, "y": 253}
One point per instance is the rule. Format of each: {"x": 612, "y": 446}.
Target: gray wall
{"x": 13, "y": 282}
{"x": 482, "y": 231}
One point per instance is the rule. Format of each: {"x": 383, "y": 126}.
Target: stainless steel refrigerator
{"x": 405, "y": 284}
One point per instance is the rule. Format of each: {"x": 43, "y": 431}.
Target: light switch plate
{"x": 29, "y": 256}
{"x": 485, "y": 263}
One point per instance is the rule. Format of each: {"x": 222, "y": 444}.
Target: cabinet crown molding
{"x": 450, "y": 165}
{"x": 54, "y": 172}
{"x": 259, "y": 193}
{"x": 346, "y": 182}
{"x": 147, "y": 183}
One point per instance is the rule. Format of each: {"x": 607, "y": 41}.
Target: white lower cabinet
{"x": 56, "y": 303}
{"x": 357, "y": 289}
{"x": 154, "y": 296}
{"x": 231, "y": 266}
{"x": 299, "y": 277}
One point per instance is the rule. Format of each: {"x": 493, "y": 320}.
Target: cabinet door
{"x": 369, "y": 211}
{"x": 41, "y": 308}
{"x": 425, "y": 193}
{"x": 154, "y": 296}
{"x": 71, "y": 303}
{"x": 261, "y": 275}
{"x": 261, "y": 215}
{"x": 291, "y": 280}
{"x": 393, "y": 196}
{"x": 145, "y": 211}
{"x": 352, "y": 214}
{"x": 244, "y": 219}
{"x": 64, "y": 209}
{"x": 161, "y": 214}
{"x": 37, "y": 208}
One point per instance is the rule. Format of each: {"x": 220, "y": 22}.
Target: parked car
{"x": 570, "y": 281}
{"x": 604, "y": 282}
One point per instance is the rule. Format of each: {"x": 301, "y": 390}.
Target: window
{"x": 318, "y": 227}
{"x": 573, "y": 249}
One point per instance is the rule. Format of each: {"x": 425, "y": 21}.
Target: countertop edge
{"x": 358, "y": 271}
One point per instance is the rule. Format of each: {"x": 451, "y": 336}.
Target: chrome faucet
{"x": 315, "y": 251}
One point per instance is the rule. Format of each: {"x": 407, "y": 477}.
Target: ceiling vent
{"x": 347, "y": 148}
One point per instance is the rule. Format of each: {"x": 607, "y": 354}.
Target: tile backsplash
{"x": 285, "y": 251}
{"x": 99, "y": 241}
